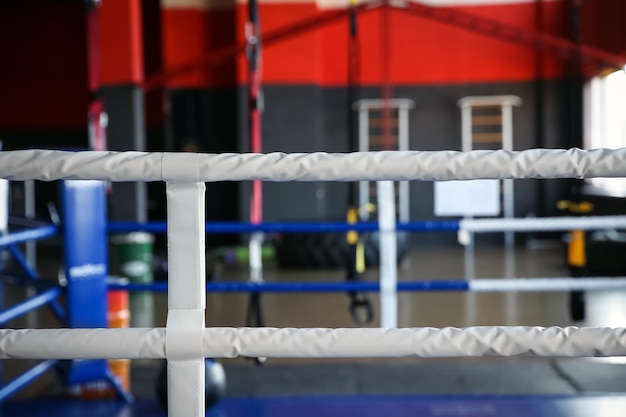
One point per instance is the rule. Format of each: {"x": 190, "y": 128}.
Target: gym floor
{"x": 476, "y": 387}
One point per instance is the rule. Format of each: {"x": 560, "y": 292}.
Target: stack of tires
{"x": 329, "y": 250}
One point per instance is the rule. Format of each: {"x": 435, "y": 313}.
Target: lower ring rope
{"x": 226, "y": 342}
{"x": 547, "y": 224}
{"x": 475, "y": 285}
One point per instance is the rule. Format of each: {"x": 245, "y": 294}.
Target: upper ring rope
{"x": 358, "y": 166}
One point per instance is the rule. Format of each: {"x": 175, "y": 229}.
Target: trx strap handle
{"x": 361, "y": 309}
{"x": 254, "y": 317}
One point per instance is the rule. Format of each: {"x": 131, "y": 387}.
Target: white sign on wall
{"x": 467, "y": 198}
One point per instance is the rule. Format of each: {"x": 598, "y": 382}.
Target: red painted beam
{"x": 513, "y": 34}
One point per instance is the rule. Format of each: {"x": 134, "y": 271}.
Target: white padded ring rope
{"x": 226, "y": 342}
{"x": 82, "y": 343}
{"x": 358, "y": 166}
{"x": 418, "y": 342}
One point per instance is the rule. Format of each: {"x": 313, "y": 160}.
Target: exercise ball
{"x": 214, "y": 383}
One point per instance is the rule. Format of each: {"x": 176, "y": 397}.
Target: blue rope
{"x": 291, "y": 227}
{"x": 304, "y": 287}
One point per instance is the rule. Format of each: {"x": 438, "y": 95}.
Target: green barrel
{"x": 133, "y": 260}
{"x": 240, "y": 255}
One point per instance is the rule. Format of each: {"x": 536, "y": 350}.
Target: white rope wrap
{"x": 547, "y": 284}
{"x": 541, "y": 224}
{"x": 186, "y": 299}
{"x": 321, "y": 343}
{"x": 358, "y": 166}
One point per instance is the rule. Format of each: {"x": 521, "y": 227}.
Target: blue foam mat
{"x": 341, "y": 406}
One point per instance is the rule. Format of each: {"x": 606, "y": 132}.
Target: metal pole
{"x": 507, "y": 144}
{"x": 403, "y": 145}
{"x": 364, "y": 190}
{"x": 254, "y": 133}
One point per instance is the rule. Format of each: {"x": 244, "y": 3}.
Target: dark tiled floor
{"x": 340, "y": 406}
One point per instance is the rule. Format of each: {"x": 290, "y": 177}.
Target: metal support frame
{"x": 46, "y": 297}
{"x": 28, "y": 235}
{"x": 32, "y": 277}
{"x": 26, "y": 378}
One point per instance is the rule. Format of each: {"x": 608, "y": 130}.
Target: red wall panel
{"x": 121, "y": 42}
{"x": 189, "y": 34}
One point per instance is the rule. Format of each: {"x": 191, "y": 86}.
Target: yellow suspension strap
{"x": 576, "y": 255}
{"x": 576, "y": 252}
{"x": 361, "y": 308}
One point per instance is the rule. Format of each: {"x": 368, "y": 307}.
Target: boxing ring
{"x": 185, "y": 341}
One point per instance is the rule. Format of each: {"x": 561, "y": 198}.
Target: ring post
{"x": 86, "y": 258}
{"x": 84, "y": 224}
